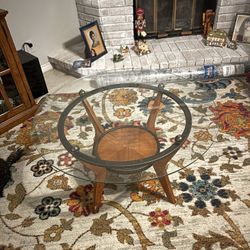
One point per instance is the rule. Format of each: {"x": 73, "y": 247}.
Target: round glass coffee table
{"x": 124, "y": 133}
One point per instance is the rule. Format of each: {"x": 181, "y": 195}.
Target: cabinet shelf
{"x": 5, "y": 72}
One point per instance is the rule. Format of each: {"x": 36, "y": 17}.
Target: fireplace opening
{"x": 173, "y": 17}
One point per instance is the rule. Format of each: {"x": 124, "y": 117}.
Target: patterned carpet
{"x": 46, "y": 208}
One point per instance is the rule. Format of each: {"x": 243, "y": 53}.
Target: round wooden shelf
{"x": 127, "y": 144}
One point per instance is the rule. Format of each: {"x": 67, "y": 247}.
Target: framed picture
{"x": 241, "y": 32}
{"x": 95, "y": 47}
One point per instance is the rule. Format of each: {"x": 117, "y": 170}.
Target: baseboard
{"x": 46, "y": 67}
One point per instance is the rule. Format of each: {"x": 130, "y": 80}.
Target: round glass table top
{"x": 182, "y": 128}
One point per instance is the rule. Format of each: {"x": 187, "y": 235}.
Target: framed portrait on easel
{"x": 241, "y": 32}
{"x": 95, "y": 47}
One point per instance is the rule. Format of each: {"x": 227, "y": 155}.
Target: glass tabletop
{"x": 126, "y": 106}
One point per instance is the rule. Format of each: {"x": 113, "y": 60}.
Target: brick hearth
{"x": 167, "y": 53}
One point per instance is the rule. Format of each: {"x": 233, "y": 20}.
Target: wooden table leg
{"x": 160, "y": 169}
{"x": 100, "y": 175}
{"x": 98, "y": 191}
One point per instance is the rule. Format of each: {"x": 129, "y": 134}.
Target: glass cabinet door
{"x": 10, "y": 96}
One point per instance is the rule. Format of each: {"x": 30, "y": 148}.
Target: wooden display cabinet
{"x": 16, "y": 101}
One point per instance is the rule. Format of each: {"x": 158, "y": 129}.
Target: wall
{"x": 47, "y": 23}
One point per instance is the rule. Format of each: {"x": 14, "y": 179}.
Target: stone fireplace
{"x": 187, "y": 53}
{"x": 116, "y": 17}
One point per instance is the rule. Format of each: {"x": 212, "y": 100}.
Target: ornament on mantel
{"x": 141, "y": 48}
{"x": 140, "y": 23}
{"x": 208, "y": 21}
{"x": 118, "y": 58}
{"x": 219, "y": 38}
{"x": 124, "y": 49}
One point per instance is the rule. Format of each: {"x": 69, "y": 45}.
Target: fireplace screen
{"x": 174, "y": 17}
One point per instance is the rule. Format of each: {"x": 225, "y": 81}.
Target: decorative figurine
{"x": 232, "y": 45}
{"x": 141, "y": 48}
{"x": 118, "y": 58}
{"x": 140, "y": 23}
{"x": 208, "y": 21}
{"x": 124, "y": 49}
{"x": 217, "y": 38}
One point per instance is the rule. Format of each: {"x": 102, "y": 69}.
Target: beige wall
{"x": 47, "y": 23}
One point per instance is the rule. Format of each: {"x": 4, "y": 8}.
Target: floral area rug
{"x": 46, "y": 207}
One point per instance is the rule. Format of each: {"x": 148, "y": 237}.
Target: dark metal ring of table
{"x": 144, "y": 154}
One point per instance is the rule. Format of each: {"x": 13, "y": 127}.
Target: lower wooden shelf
{"x": 17, "y": 119}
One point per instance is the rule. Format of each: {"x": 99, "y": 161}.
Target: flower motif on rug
{"x": 160, "y": 218}
{"x": 233, "y": 95}
{"x": 150, "y": 191}
{"x": 146, "y": 105}
{"x": 81, "y": 200}
{"x": 58, "y": 182}
{"x": 203, "y": 135}
{"x": 42, "y": 167}
{"x": 66, "y": 159}
{"x": 233, "y": 118}
{"x": 54, "y": 233}
{"x": 122, "y": 113}
{"x": 212, "y": 84}
{"x": 205, "y": 190}
{"x": 232, "y": 152}
{"x": 50, "y": 207}
{"x": 123, "y": 97}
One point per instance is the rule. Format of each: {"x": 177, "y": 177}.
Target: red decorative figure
{"x": 140, "y": 23}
